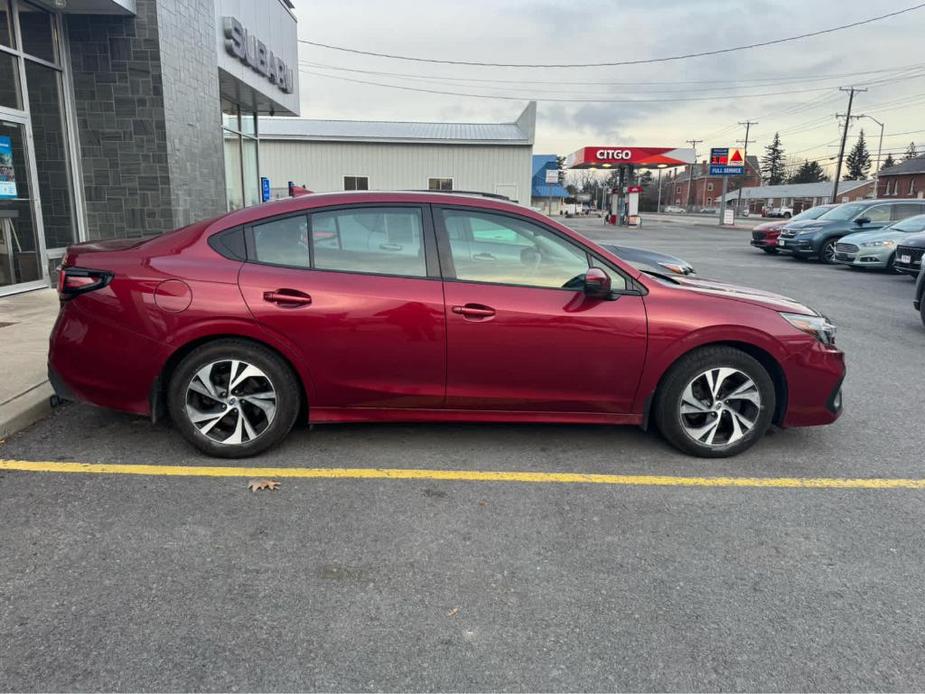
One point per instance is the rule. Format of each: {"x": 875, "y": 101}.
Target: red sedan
{"x": 424, "y": 307}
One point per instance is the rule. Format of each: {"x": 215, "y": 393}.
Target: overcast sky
{"x": 545, "y": 31}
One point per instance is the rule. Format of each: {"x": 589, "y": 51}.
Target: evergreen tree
{"x": 911, "y": 152}
{"x": 809, "y": 172}
{"x": 773, "y": 162}
{"x": 560, "y": 164}
{"x": 889, "y": 161}
{"x": 858, "y": 160}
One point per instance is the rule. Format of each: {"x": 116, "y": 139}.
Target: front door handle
{"x": 483, "y": 256}
{"x": 287, "y": 298}
{"x": 475, "y": 311}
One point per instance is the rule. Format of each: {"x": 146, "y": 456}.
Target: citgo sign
{"x": 614, "y": 154}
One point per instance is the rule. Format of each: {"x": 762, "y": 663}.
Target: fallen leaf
{"x": 452, "y": 613}
{"x": 254, "y": 485}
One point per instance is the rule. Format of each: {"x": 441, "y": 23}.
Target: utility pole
{"x": 690, "y": 178}
{"x": 844, "y": 138}
{"x": 745, "y": 143}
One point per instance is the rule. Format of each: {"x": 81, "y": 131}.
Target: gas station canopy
{"x": 640, "y": 157}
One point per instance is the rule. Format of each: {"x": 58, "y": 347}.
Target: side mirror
{"x": 597, "y": 283}
{"x": 861, "y": 221}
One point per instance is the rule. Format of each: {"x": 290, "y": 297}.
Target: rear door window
{"x": 282, "y": 242}
{"x": 908, "y": 209}
{"x": 383, "y": 241}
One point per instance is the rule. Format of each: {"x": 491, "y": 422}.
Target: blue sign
{"x": 724, "y": 164}
{"x": 7, "y": 172}
{"x": 264, "y": 188}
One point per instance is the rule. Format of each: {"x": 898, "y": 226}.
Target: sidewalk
{"x": 25, "y": 324}
{"x": 703, "y": 220}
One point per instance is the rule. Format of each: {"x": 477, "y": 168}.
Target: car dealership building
{"x": 331, "y": 155}
{"x": 121, "y": 118}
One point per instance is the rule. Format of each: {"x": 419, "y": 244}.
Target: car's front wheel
{"x": 715, "y": 402}
{"x": 233, "y": 398}
{"x": 827, "y": 255}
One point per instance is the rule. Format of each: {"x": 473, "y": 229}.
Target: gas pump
{"x": 632, "y": 206}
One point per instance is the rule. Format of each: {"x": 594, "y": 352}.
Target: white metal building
{"x": 331, "y": 155}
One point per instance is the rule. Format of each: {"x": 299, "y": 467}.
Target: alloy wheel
{"x": 719, "y": 406}
{"x": 828, "y": 252}
{"x": 231, "y": 401}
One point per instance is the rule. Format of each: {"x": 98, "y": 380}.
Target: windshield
{"x": 909, "y": 225}
{"x": 843, "y": 213}
{"x": 812, "y": 213}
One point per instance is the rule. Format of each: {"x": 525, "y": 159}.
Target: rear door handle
{"x": 483, "y": 256}
{"x": 289, "y": 298}
{"x": 474, "y": 311}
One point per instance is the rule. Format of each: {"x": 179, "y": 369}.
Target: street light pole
{"x": 879, "y": 153}
{"x": 658, "y": 206}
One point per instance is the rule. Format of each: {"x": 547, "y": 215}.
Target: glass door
{"x": 21, "y": 264}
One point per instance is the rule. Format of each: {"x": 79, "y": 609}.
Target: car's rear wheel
{"x": 715, "y": 402}
{"x": 233, "y": 398}
{"x": 770, "y": 251}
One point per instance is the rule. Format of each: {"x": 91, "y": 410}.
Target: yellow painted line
{"x": 462, "y": 476}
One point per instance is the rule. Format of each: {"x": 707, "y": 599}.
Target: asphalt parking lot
{"x": 150, "y": 582}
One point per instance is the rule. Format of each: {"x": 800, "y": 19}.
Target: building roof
{"x": 538, "y": 186}
{"x": 796, "y": 190}
{"x": 520, "y": 132}
{"x": 910, "y": 166}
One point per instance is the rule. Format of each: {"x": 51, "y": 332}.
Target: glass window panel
{"x": 9, "y": 82}
{"x": 37, "y": 29}
{"x": 6, "y": 24}
{"x": 230, "y": 116}
{"x": 234, "y": 191}
{"x": 504, "y": 250}
{"x": 19, "y": 258}
{"x": 251, "y": 178}
{"x": 356, "y": 183}
{"x": 248, "y": 123}
{"x": 373, "y": 240}
{"x": 282, "y": 242}
{"x": 52, "y": 162}
{"x": 439, "y": 184}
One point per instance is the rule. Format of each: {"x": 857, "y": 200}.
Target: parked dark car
{"x": 919, "y": 300}
{"x": 424, "y": 307}
{"x": 909, "y": 254}
{"x": 644, "y": 259}
{"x": 816, "y": 238}
{"x": 764, "y": 236}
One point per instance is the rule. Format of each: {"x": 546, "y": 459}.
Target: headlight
{"x": 817, "y": 326}
{"x": 879, "y": 244}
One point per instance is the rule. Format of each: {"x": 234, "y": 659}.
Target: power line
{"x": 734, "y": 84}
{"x": 638, "y": 61}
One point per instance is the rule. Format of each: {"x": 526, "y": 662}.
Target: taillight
{"x": 78, "y": 280}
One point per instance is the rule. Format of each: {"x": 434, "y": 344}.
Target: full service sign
{"x": 727, "y": 161}
{"x": 7, "y": 172}
{"x": 254, "y": 53}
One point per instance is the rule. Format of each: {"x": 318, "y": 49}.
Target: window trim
{"x": 631, "y": 286}
{"x": 431, "y": 262}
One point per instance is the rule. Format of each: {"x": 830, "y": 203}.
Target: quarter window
{"x": 439, "y": 184}
{"x": 356, "y": 183}
{"x": 282, "y": 242}
{"x": 383, "y": 241}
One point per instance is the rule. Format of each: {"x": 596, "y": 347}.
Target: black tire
{"x": 770, "y": 251}
{"x": 667, "y": 409}
{"x": 922, "y": 311}
{"x": 827, "y": 252}
{"x": 276, "y": 371}
{"x": 889, "y": 265}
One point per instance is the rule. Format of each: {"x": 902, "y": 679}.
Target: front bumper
{"x": 873, "y": 258}
{"x": 796, "y": 246}
{"x": 814, "y": 376}
{"x": 764, "y": 243}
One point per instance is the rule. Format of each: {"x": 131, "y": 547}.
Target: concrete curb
{"x": 24, "y": 409}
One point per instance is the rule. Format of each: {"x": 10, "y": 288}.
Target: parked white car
{"x": 673, "y": 209}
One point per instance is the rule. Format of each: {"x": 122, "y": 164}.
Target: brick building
{"x": 705, "y": 190}
{"x": 904, "y": 180}
{"x": 131, "y": 117}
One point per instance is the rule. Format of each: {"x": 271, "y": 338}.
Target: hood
{"x": 875, "y": 235}
{"x": 757, "y": 297}
{"x": 768, "y": 226}
{"x": 810, "y": 224}
{"x": 916, "y": 240}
